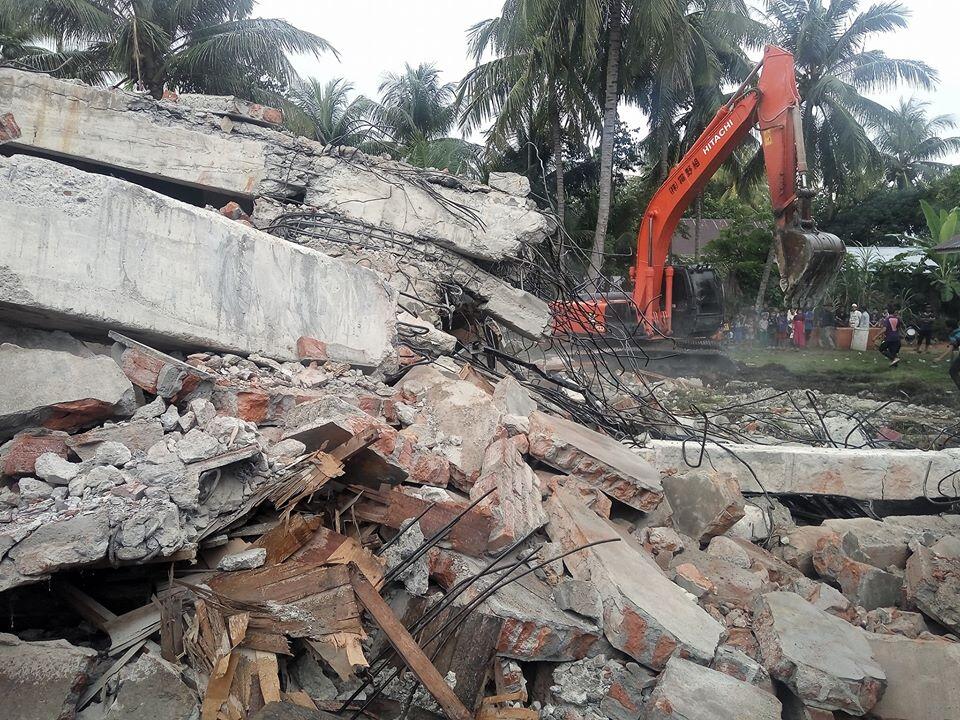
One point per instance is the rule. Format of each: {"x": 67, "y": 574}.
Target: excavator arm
{"x": 808, "y": 260}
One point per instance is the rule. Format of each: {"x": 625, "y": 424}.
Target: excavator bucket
{"x": 809, "y": 260}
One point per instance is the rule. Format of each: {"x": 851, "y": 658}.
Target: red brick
{"x": 142, "y": 369}
{"x": 26, "y": 447}
{"x": 9, "y": 130}
{"x": 73, "y": 414}
{"x": 309, "y": 348}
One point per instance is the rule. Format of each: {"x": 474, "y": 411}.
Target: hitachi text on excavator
{"x": 675, "y": 301}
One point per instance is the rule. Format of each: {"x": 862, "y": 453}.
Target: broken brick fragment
{"x": 309, "y": 348}
{"x": 23, "y": 450}
{"x": 9, "y": 130}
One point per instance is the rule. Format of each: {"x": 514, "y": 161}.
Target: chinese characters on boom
{"x": 687, "y": 172}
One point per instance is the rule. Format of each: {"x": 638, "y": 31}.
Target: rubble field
{"x": 274, "y": 446}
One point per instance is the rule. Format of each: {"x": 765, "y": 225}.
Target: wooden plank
{"x": 407, "y": 647}
{"x": 269, "y": 673}
{"x": 395, "y": 509}
{"x": 288, "y": 537}
{"x": 332, "y": 548}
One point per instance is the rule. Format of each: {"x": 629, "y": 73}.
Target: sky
{"x": 378, "y": 36}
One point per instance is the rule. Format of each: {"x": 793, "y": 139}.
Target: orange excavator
{"x": 683, "y": 301}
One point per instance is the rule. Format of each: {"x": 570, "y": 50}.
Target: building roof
{"x": 684, "y": 237}
{"x": 950, "y": 246}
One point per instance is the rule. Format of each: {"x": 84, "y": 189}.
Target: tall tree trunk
{"x": 606, "y": 139}
{"x": 560, "y": 166}
{"x": 765, "y": 278}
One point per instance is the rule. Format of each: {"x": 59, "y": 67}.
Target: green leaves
{"x": 212, "y": 46}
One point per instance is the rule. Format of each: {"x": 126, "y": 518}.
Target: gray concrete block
{"x": 91, "y": 251}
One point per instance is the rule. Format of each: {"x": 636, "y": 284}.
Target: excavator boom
{"x": 808, "y": 259}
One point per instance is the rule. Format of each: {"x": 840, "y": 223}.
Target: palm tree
{"x": 539, "y": 78}
{"x": 835, "y": 70}
{"x": 414, "y": 117}
{"x": 668, "y": 57}
{"x": 213, "y": 46}
{"x": 327, "y": 113}
{"x": 910, "y": 143}
{"x": 415, "y": 105}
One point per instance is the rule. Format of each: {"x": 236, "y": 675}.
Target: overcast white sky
{"x": 376, "y": 36}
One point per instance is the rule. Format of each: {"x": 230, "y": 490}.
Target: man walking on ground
{"x": 925, "y": 328}
{"x": 890, "y": 347}
{"x": 827, "y": 328}
{"x": 953, "y": 346}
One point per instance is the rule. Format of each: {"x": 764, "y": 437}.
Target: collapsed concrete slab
{"x": 595, "y": 459}
{"x": 217, "y": 147}
{"x": 687, "y": 691}
{"x": 824, "y": 660}
{"x": 58, "y": 390}
{"x": 96, "y": 252}
{"x": 921, "y": 678}
{"x": 861, "y": 474}
{"x": 645, "y": 614}
{"x": 42, "y": 680}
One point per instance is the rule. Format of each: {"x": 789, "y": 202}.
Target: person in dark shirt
{"x": 925, "y": 328}
{"x": 890, "y": 347}
{"x": 828, "y": 326}
{"x": 953, "y": 345}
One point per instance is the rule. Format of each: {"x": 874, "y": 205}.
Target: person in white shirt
{"x": 860, "y": 322}
{"x": 854, "y": 316}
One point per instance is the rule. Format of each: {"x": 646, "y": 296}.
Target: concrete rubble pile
{"x": 240, "y": 481}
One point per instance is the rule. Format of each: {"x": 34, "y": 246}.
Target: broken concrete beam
{"x": 42, "y": 680}
{"x": 459, "y": 409}
{"x": 156, "y": 372}
{"x": 921, "y": 678}
{"x": 687, "y": 691}
{"x": 933, "y": 581}
{"x": 372, "y": 190}
{"x": 533, "y": 627}
{"x": 19, "y": 455}
{"x": 875, "y": 474}
{"x": 595, "y": 459}
{"x": 516, "y": 501}
{"x": 201, "y": 149}
{"x": 865, "y": 585}
{"x": 122, "y": 130}
{"x": 87, "y": 256}
{"x": 824, "y": 660}
{"x": 58, "y": 390}
{"x": 645, "y": 614}
{"x": 704, "y": 504}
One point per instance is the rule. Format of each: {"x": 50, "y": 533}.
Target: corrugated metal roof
{"x": 950, "y": 246}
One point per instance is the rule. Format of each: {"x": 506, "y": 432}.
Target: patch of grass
{"x": 852, "y": 371}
